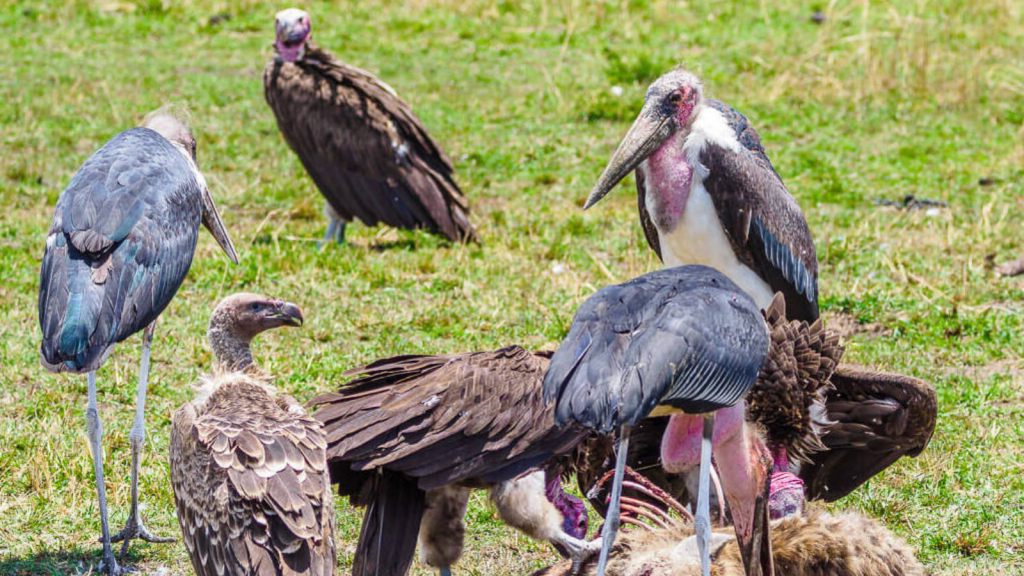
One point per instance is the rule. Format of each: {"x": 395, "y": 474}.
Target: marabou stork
{"x": 812, "y": 544}
{"x": 123, "y": 236}
{"x": 683, "y": 339}
{"x": 841, "y": 424}
{"x": 366, "y": 151}
{"x": 413, "y": 435}
{"x": 248, "y": 466}
{"x": 708, "y": 194}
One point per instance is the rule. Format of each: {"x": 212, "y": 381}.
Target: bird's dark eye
{"x": 675, "y": 98}
{"x": 255, "y": 307}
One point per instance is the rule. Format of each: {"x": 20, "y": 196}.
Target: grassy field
{"x": 882, "y": 99}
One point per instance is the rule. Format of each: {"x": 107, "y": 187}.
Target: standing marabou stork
{"x": 367, "y": 152}
{"x": 414, "y": 435}
{"x": 708, "y": 194}
{"x": 683, "y": 339}
{"x": 248, "y": 465}
{"x": 123, "y": 236}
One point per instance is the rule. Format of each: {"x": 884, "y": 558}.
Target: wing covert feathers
{"x": 251, "y": 485}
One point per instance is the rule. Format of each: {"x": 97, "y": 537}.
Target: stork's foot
{"x": 136, "y": 530}
{"x": 109, "y": 564}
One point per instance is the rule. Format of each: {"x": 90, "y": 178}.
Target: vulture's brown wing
{"x": 879, "y": 418}
{"x": 369, "y": 155}
{"x": 251, "y": 487}
{"x": 443, "y": 419}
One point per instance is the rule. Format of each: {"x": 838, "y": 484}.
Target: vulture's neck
{"x": 232, "y": 349}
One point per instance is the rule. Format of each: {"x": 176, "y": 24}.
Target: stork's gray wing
{"x": 684, "y": 337}
{"x": 367, "y": 152}
{"x": 879, "y": 418}
{"x": 253, "y": 495}
{"x": 761, "y": 218}
{"x": 122, "y": 240}
{"x": 444, "y": 419}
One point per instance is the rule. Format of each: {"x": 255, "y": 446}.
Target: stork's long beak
{"x": 289, "y": 314}
{"x": 753, "y": 538}
{"x": 213, "y": 223}
{"x": 650, "y": 130}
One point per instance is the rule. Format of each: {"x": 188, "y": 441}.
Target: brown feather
{"x": 348, "y": 128}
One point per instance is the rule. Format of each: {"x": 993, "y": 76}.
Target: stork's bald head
{"x": 292, "y": 29}
{"x": 670, "y": 105}
{"x": 171, "y": 122}
{"x": 239, "y": 318}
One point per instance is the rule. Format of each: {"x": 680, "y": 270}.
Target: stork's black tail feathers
{"x": 391, "y": 526}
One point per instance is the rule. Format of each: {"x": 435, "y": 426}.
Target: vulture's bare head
{"x": 292, "y": 29}
{"x": 575, "y": 521}
{"x": 670, "y": 106}
{"x": 241, "y": 317}
{"x": 172, "y": 123}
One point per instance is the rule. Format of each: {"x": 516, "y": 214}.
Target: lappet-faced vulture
{"x": 681, "y": 340}
{"x": 248, "y": 466}
{"x": 413, "y": 435}
{"x": 122, "y": 239}
{"x": 835, "y": 424}
{"x": 365, "y": 150}
{"x": 813, "y": 544}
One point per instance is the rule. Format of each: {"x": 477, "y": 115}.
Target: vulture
{"x": 835, "y": 424}
{"x": 413, "y": 435}
{"x": 684, "y": 340}
{"x": 248, "y": 465}
{"x": 122, "y": 239}
{"x": 813, "y": 544}
{"x": 365, "y": 150}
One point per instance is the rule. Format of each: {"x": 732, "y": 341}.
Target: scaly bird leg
{"x": 95, "y": 432}
{"x": 702, "y": 519}
{"x": 335, "y": 228}
{"x": 611, "y": 523}
{"x": 134, "y": 528}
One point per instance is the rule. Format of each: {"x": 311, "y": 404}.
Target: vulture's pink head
{"x": 575, "y": 521}
{"x": 292, "y": 30}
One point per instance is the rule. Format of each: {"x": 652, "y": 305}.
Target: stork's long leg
{"x": 611, "y": 521}
{"x": 95, "y": 432}
{"x": 134, "y": 528}
{"x": 702, "y": 519}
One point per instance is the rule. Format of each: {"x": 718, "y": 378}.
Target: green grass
{"x": 882, "y": 100}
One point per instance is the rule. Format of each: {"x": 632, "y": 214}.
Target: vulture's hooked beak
{"x": 288, "y": 314}
{"x": 213, "y": 223}
{"x": 650, "y": 130}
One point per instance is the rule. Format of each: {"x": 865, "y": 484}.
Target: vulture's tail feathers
{"x": 391, "y": 526}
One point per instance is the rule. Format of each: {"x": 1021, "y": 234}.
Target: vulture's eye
{"x": 255, "y": 307}
{"x": 675, "y": 98}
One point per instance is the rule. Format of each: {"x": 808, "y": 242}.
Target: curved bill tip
{"x": 213, "y": 223}
{"x": 291, "y": 314}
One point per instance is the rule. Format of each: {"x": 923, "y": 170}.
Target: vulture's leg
{"x": 702, "y": 519}
{"x": 611, "y": 521}
{"x": 134, "y": 528}
{"x": 95, "y": 432}
{"x": 335, "y": 228}
{"x": 442, "y": 529}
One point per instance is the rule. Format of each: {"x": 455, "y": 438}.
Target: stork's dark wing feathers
{"x": 746, "y": 190}
{"x": 122, "y": 240}
{"x": 367, "y": 152}
{"x": 443, "y": 419}
{"x": 684, "y": 337}
{"x": 251, "y": 486}
{"x": 879, "y": 418}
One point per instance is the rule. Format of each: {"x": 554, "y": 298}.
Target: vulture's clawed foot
{"x": 581, "y": 551}
{"x": 136, "y": 530}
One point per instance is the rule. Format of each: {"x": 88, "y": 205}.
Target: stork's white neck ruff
{"x": 689, "y": 229}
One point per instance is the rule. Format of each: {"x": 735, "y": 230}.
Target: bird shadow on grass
{"x": 56, "y": 563}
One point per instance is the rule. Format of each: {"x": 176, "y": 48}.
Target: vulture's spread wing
{"x": 684, "y": 337}
{"x": 251, "y": 486}
{"x": 443, "y": 419}
{"x": 367, "y": 152}
{"x": 122, "y": 239}
{"x": 879, "y": 418}
{"x": 745, "y": 189}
